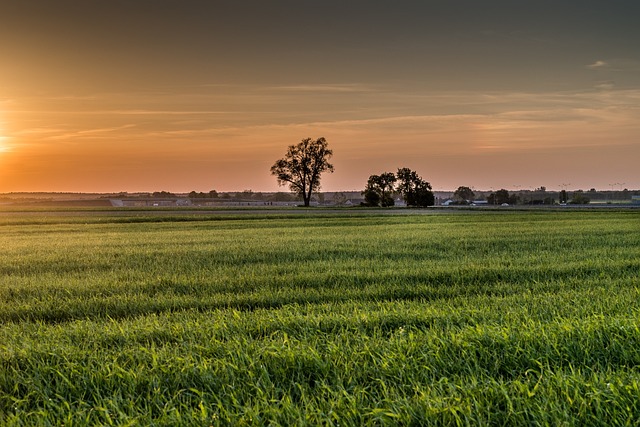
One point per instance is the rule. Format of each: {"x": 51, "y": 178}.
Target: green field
{"x": 459, "y": 318}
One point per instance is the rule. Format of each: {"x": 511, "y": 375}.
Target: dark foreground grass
{"x": 465, "y": 319}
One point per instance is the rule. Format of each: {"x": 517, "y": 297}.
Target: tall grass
{"x": 487, "y": 318}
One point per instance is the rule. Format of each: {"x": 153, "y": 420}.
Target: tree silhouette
{"x": 464, "y": 194}
{"x": 414, "y": 190}
{"x": 502, "y": 196}
{"x": 379, "y": 190}
{"x": 302, "y": 166}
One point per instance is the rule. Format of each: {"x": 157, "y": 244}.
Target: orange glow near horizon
{"x": 3, "y": 139}
{"x": 201, "y": 96}
{"x": 147, "y": 151}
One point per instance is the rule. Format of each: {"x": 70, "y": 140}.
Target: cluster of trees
{"x": 381, "y": 189}
{"x": 464, "y": 195}
{"x": 501, "y": 197}
{"x": 304, "y": 163}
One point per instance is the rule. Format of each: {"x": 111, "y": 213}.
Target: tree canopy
{"x": 302, "y": 166}
{"x": 379, "y": 190}
{"x": 464, "y": 194}
{"x": 414, "y": 190}
{"x": 501, "y": 197}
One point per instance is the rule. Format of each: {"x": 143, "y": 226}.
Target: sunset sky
{"x": 181, "y": 95}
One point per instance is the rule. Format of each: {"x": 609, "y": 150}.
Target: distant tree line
{"x": 243, "y": 196}
{"x": 213, "y": 194}
{"x": 163, "y": 194}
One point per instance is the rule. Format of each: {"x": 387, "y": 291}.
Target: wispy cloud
{"x": 162, "y": 112}
{"x": 130, "y": 112}
{"x": 598, "y": 64}
{"x": 88, "y": 132}
{"x": 349, "y": 87}
{"x": 605, "y": 85}
{"x": 37, "y": 131}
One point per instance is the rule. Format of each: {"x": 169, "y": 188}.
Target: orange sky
{"x": 114, "y": 96}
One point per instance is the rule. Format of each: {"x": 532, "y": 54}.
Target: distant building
{"x": 635, "y": 200}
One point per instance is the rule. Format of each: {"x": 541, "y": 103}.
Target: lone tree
{"x": 302, "y": 166}
{"x": 502, "y": 197}
{"x": 414, "y": 190}
{"x": 379, "y": 190}
{"x": 464, "y": 194}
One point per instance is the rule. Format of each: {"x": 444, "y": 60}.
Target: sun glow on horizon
{"x": 3, "y": 140}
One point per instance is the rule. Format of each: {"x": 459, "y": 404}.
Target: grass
{"x": 468, "y": 318}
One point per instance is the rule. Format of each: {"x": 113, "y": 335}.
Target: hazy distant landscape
{"x": 265, "y": 199}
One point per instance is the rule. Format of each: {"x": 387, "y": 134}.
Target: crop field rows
{"x": 470, "y": 318}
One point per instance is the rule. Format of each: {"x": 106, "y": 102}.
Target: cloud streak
{"x": 88, "y": 133}
{"x": 598, "y": 64}
{"x": 335, "y": 88}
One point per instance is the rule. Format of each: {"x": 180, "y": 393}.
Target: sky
{"x": 182, "y": 95}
